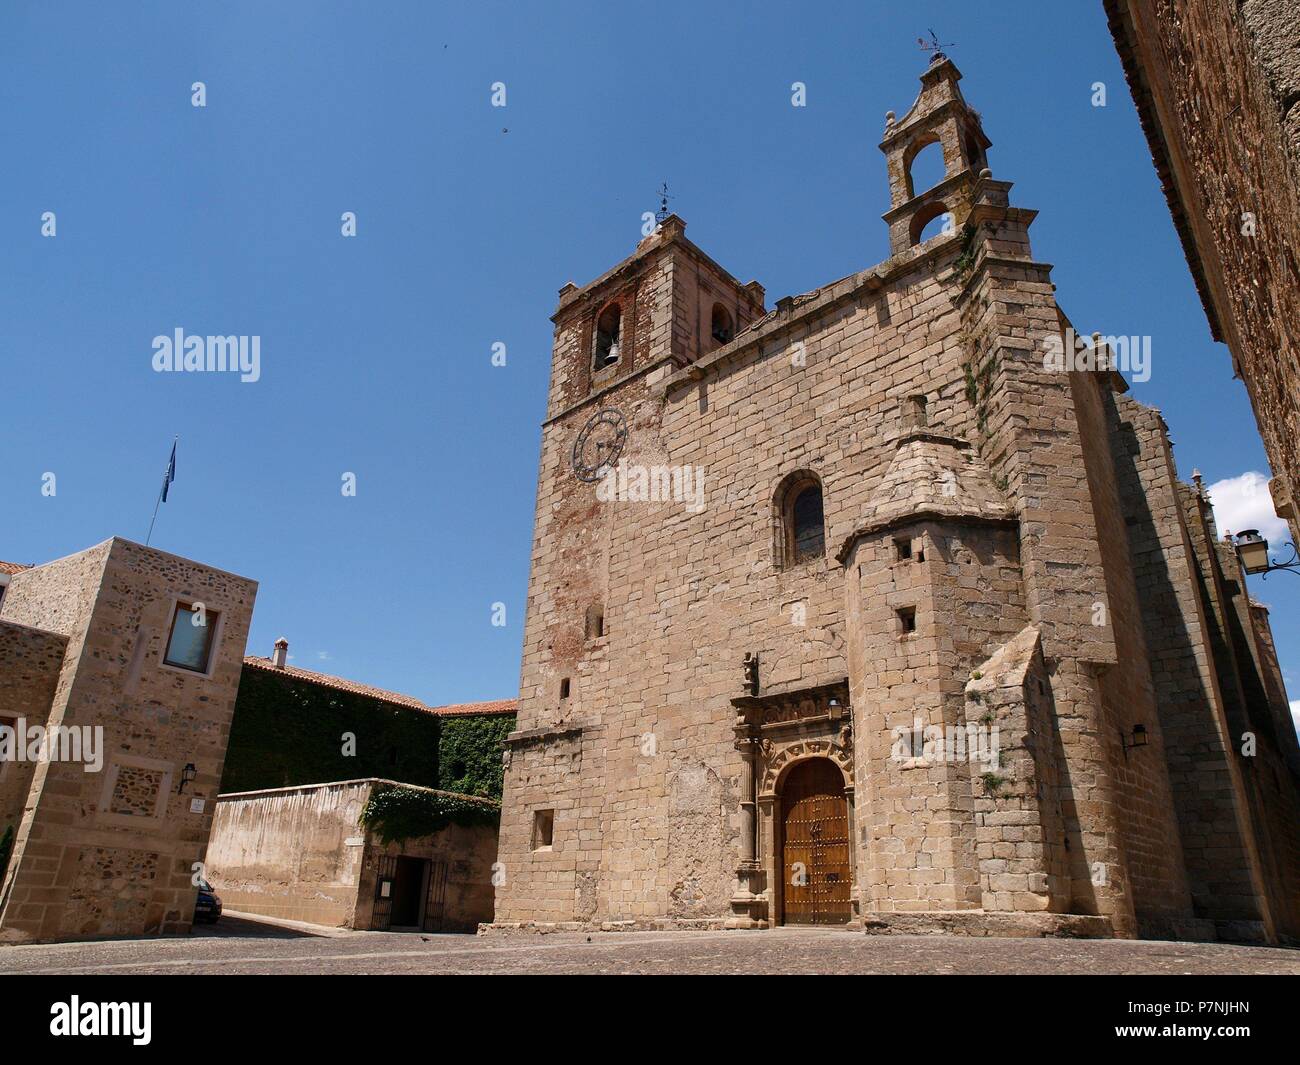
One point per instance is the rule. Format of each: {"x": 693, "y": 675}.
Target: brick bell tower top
{"x": 940, "y": 116}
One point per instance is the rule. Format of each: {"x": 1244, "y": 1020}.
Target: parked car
{"x": 208, "y": 906}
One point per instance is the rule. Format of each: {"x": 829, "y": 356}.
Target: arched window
{"x": 802, "y": 526}
{"x": 807, "y": 527}
{"x": 607, "y": 342}
{"x": 721, "y": 327}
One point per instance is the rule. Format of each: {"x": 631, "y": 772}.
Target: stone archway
{"x": 815, "y": 844}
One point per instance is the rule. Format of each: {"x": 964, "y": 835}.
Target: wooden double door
{"x": 817, "y": 880}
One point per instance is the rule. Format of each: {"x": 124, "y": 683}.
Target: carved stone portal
{"x": 773, "y": 733}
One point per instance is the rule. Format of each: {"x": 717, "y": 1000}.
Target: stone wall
{"x": 687, "y": 595}
{"x": 1222, "y": 865}
{"x": 1217, "y": 85}
{"x": 292, "y": 853}
{"x": 1149, "y": 827}
{"x": 299, "y": 854}
{"x": 94, "y": 857}
{"x": 30, "y": 663}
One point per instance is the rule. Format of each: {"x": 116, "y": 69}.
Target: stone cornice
{"x": 1008, "y": 521}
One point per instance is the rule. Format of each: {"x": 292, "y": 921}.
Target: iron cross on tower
{"x": 662, "y": 213}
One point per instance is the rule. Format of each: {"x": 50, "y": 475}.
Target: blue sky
{"x": 376, "y": 350}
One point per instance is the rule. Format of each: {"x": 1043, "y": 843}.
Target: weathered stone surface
{"x": 1217, "y": 86}
{"x": 982, "y": 511}
{"x": 112, "y": 850}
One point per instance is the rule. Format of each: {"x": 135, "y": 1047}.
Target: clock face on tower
{"x": 599, "y": 444}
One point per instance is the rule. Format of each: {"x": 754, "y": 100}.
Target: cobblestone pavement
{"x": 240, "y": 946}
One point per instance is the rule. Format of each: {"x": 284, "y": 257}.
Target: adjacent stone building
{"x": 131, "y": 660}
{"x": 869, "y": 608}
{"x": 1217, "y": 88}
{"x": 289, "y": 840}
{"x": 118, "y": 672}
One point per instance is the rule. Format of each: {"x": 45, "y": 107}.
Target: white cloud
{"x": 324, "y": 656}
{"x": 1244, "y": 502}
{"x": 1295, "y": 715}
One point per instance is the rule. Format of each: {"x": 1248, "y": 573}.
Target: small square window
{"x": 914, "y": 743}
{"x": 543, "y": 829}
{"x": 906, "y": 620}
{"x": 915, "y": 412}
{"x": 903, "y": 548}
{"x": 190, "y": 643}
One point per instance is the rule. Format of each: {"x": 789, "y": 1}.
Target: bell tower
{"x": 940, "y": 116}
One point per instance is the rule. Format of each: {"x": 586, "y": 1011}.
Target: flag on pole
{"x": 170, "y": 475}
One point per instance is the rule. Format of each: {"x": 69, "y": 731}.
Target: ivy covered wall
{"x": 469, "y": 754}
{"x": 287, "y": 731}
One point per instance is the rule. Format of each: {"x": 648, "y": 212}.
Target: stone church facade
{"x": 857, "y": 611}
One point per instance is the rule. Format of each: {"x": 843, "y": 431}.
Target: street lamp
{"x": 1252, "y": 549}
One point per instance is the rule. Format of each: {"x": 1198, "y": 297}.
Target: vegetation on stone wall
{"x": 395, "y": 814}
{"x": 287, "y": 732}
{"x": 469, "y": 754}
{"x": 966, "y": 260}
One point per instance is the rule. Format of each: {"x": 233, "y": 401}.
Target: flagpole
{"x": 156, "y": 505}
{"x": 167, "y": 476}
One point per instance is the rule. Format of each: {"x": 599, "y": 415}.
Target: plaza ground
{"x": 242, "y": 945}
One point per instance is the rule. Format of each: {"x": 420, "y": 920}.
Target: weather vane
{"x": 662, "y": 213}
{"x": 933, "y": 46}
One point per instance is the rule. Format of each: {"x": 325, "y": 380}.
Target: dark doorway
{"x": 408, "y": 892}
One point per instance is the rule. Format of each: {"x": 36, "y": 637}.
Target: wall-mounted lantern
{"x": 1139, "y": 739}
{"x": 1252, "y": 549}
{"x": 187, "y": 776}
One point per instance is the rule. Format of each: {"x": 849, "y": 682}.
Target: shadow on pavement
{"x": 242, "y": 927}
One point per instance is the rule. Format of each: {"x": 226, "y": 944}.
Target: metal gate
{"x": 436, "y": 897}
{"x": 385, "y": 880}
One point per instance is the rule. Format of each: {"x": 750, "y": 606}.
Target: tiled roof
{"x": 325, "y": 680}
{"x": 12, "y": 567}
{"x": 495, "y": 706}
